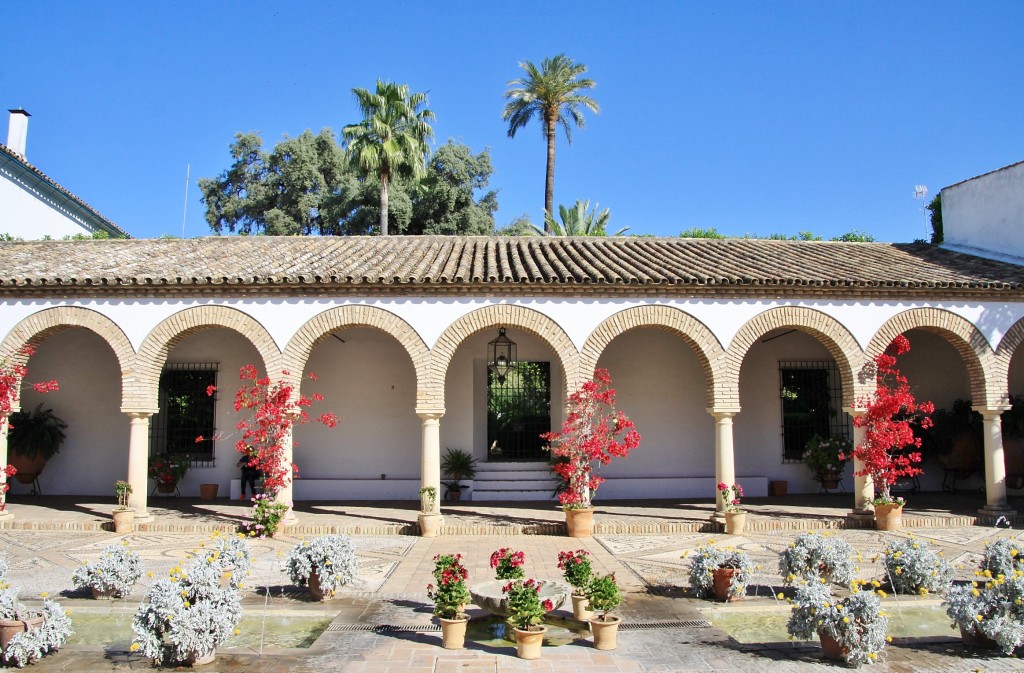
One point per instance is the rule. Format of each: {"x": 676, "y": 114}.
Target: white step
{"x": 514, "y": 495}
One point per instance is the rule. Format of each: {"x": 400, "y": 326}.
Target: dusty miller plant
{"x": 28, "y": 646}
{"x": 913, "y": 567}
{"x": 331, "y": 557}
{"x": 115, "y": 572}
{"x": 1003, "y": 556}
{"x": 817, "y": 555}
{"x": 993, "y": 604}
{"x": 188, "y": 613}
{"x": 230, "y": 554}
{"x": 706, "y": 558}
{"x": 856, "y": 622}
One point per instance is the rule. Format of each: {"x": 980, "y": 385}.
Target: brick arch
{"x": 968, "y": 341}
{"x": 319, "y": 327}
{"x": 692, "y": 331}
{"x": 832, "y": 334}
{"x": 174, "y": 329}
{"x": 1008, "y": 347}
{"x": 38, "y": 326}
{"x": 492, "y": 317}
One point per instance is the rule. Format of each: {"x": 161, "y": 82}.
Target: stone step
{"x": 513, "y": 494}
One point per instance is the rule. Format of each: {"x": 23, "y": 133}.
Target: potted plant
{"x": 167, "y": 470}
{"x": 851, "y": 629}
{"x": 429, "y": 516}
{"x": 990, "y": 610}
{"x": 526, "y": 616}
{"x": 914, "y": 568}
{"x": 890, "y": 449}
{"x": 265, "y": 517}
{"x": 113, "y": 575}
{"x": 33, "y": 438}
{"x": 324, "y": 564}
{"x": 593, "y": 433}
{"x": 826, "y": 458}
{"x": 813, "y": 556}
{"x": 27, "y": 635}
{"x": 604, "y": 596}
{"x": 123, "y": 514}
{"x": 735, "y": 518}
{"x": 450, "y": 596}
{"x": 457, "y": 465}
{"x": 508, "y": 564}
{"x": 720, "y": 572}
{"x": 575, "y": 567}
{"x": 186, "y": 615}
{"x": 230, "y": 554}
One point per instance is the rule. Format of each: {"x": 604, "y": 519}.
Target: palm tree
{"x": 392, "y": 138}
{"x": 578, "y": 221}
{"x": 553, "y": 94}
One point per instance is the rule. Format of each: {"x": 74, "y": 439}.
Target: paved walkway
{"x": 665, "y": 629}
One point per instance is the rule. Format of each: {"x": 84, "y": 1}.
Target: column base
{"x": 861, "y": 515}
{"x": 144, "y": 517}
{"x": 6, "y": 515}
{"x": 718, "y": 517}
{"x": 998, "y": 511}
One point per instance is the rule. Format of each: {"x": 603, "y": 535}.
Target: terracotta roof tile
{"x": 437, "y": 261}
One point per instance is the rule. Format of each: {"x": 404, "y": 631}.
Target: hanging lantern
{"x": 501, "y": 355}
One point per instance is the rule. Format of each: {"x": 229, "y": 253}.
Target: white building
{"x": 34, "y": 205}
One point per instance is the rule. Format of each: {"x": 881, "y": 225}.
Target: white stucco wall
{"x": 986, "y": 213}
{"x": 26, "y": 214}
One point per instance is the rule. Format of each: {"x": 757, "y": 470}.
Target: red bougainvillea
{"x": 12, "y": 377}
{"x": 888, "y": 424}
{"x": 272, "y": 409}
{"x": 593, "y": 432}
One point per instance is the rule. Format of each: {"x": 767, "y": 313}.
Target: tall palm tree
{"x": 392, "y": 138}
{"x": 553, "y": 94}
{"x": 578, "y": 221}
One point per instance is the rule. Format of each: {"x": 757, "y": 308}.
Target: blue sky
{"x": 747, "y": 117}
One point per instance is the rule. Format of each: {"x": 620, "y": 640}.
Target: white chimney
{"x": 17, "y": 131}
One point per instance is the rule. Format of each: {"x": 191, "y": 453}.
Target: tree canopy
{"x": 552, "y": 92}
{"x": 579, "y": 220}
{"x": 305, "y": 185}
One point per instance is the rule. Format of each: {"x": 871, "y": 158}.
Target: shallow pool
{"x": 115, "y": 631}
{"x": 768, "y": 624}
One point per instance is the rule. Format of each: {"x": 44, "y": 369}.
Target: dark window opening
{"x": 519, "y": 412}
{"x": 811, "y": 395}
{"x": 186, "y": 412}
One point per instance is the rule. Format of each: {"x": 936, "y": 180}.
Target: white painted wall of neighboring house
{"x": 27, "y": 214}
{"x": 986, "y": 213}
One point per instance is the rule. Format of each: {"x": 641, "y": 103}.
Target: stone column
{"x": 995, "y": 467}
{"x": 430, "y": 454}
{"x": 286, "y": 494}
{"x": 863, "y": 488}
{"x": 5, "y": 515}
{"x": 138, "y": 463}
{"x": 725, "y": 465}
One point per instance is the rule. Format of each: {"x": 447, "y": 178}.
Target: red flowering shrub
{"x": 891, "y": 412}
{"x": 508, "y": 564}
{"x": 12, "y": 375}
{"x": 450, "y": 595}
{"x": 576, "y": 569}
{"x": 593, "y": 432}
{"x": 525, "y": 609}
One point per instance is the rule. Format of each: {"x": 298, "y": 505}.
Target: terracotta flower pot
{"x": 123, "y": 520}
{"x": 430, "y": 524}
{"x": 315, "y": 590}
{"x": 528, "y": 643}
{"x": 581, "y": 608}
{"x": 208, "y": 491}
{"x": 721, "y": 581}
{"x": 605, "y": 633}
{"x": 889, "y": 517}
{"x": 735, "y": 522}
{"x": 831, "y": 648}
{"x": 453, "y": 633}
{"x": 579, "y": 522}
{"x": 200, "y": 658}
{"x": 10, "y": 627}
{"x": 977, "y": 640}
{"x": 778, "y": 489}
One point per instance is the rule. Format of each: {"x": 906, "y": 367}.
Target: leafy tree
{"x": 935, "y": 208}
{"x": 697, "y": 232}
{"x": 578, "y": 221}
{"x": 392, "y": 138}
{"x": 519, "y": 226}
{"x": 445, "y": 202}
{"x": 855, "y": 236}
{"x": 552, "y": 92}
{"x": 297, "y": 188}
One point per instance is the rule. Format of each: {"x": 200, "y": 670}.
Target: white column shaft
{"x": 430, "y": 457}
{"x": 138, "y": 463}
{"x": 995, "y": 465}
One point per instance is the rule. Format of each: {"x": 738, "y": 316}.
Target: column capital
{"x": 857, "y": 412}
{"x": 994, "y": 411}
{"x": 428, "y": 413}
{"x": 723, "y": 412}
{"x": 139, "y": 412}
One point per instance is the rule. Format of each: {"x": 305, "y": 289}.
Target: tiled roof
{"x": 365, "y": 262}
{"x": 49, "y": 183}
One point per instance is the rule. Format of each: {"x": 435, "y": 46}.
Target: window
{"x": 519, "y": 412}
{"x": 811, "y": 393}
{"x": 186, "y": 412}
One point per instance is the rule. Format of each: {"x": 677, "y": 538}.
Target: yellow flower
{"x": 134, "y": 647}
{"x": 237, "y": 631}
{"x": 888, "y": 639}
{"x": 975, "y": 593}
{"x": 43, "y": 594}
{"x": 979, "y": 617}
{"x": 846, "y": 620}
{"x": 882, "y": 594}
{"x": 876, "y": 583}
{"x": 149, "y": 573}
{"x": 872, "y": 655}
{"x": 780, "y": 596}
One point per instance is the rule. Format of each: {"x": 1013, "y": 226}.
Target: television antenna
{"x": 921, "y": 193}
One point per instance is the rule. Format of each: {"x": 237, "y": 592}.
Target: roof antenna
{"x": 921, "y": 192}
{"x": 184, "y": 212}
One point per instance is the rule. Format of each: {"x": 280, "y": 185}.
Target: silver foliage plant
{"x": 817, "y": 555}
{"x": 706, "y": 558}
{"x": 992, "y": 605}
{"x": 332, "y": 557}
{"x": 856, "y": 622}
{"x": 231, "y": 555}
{"x": 28, "y": 646}
{"x": 913, "y": 567}
{"x": 187, "y": 614}
{"x": 116, "y": 571}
